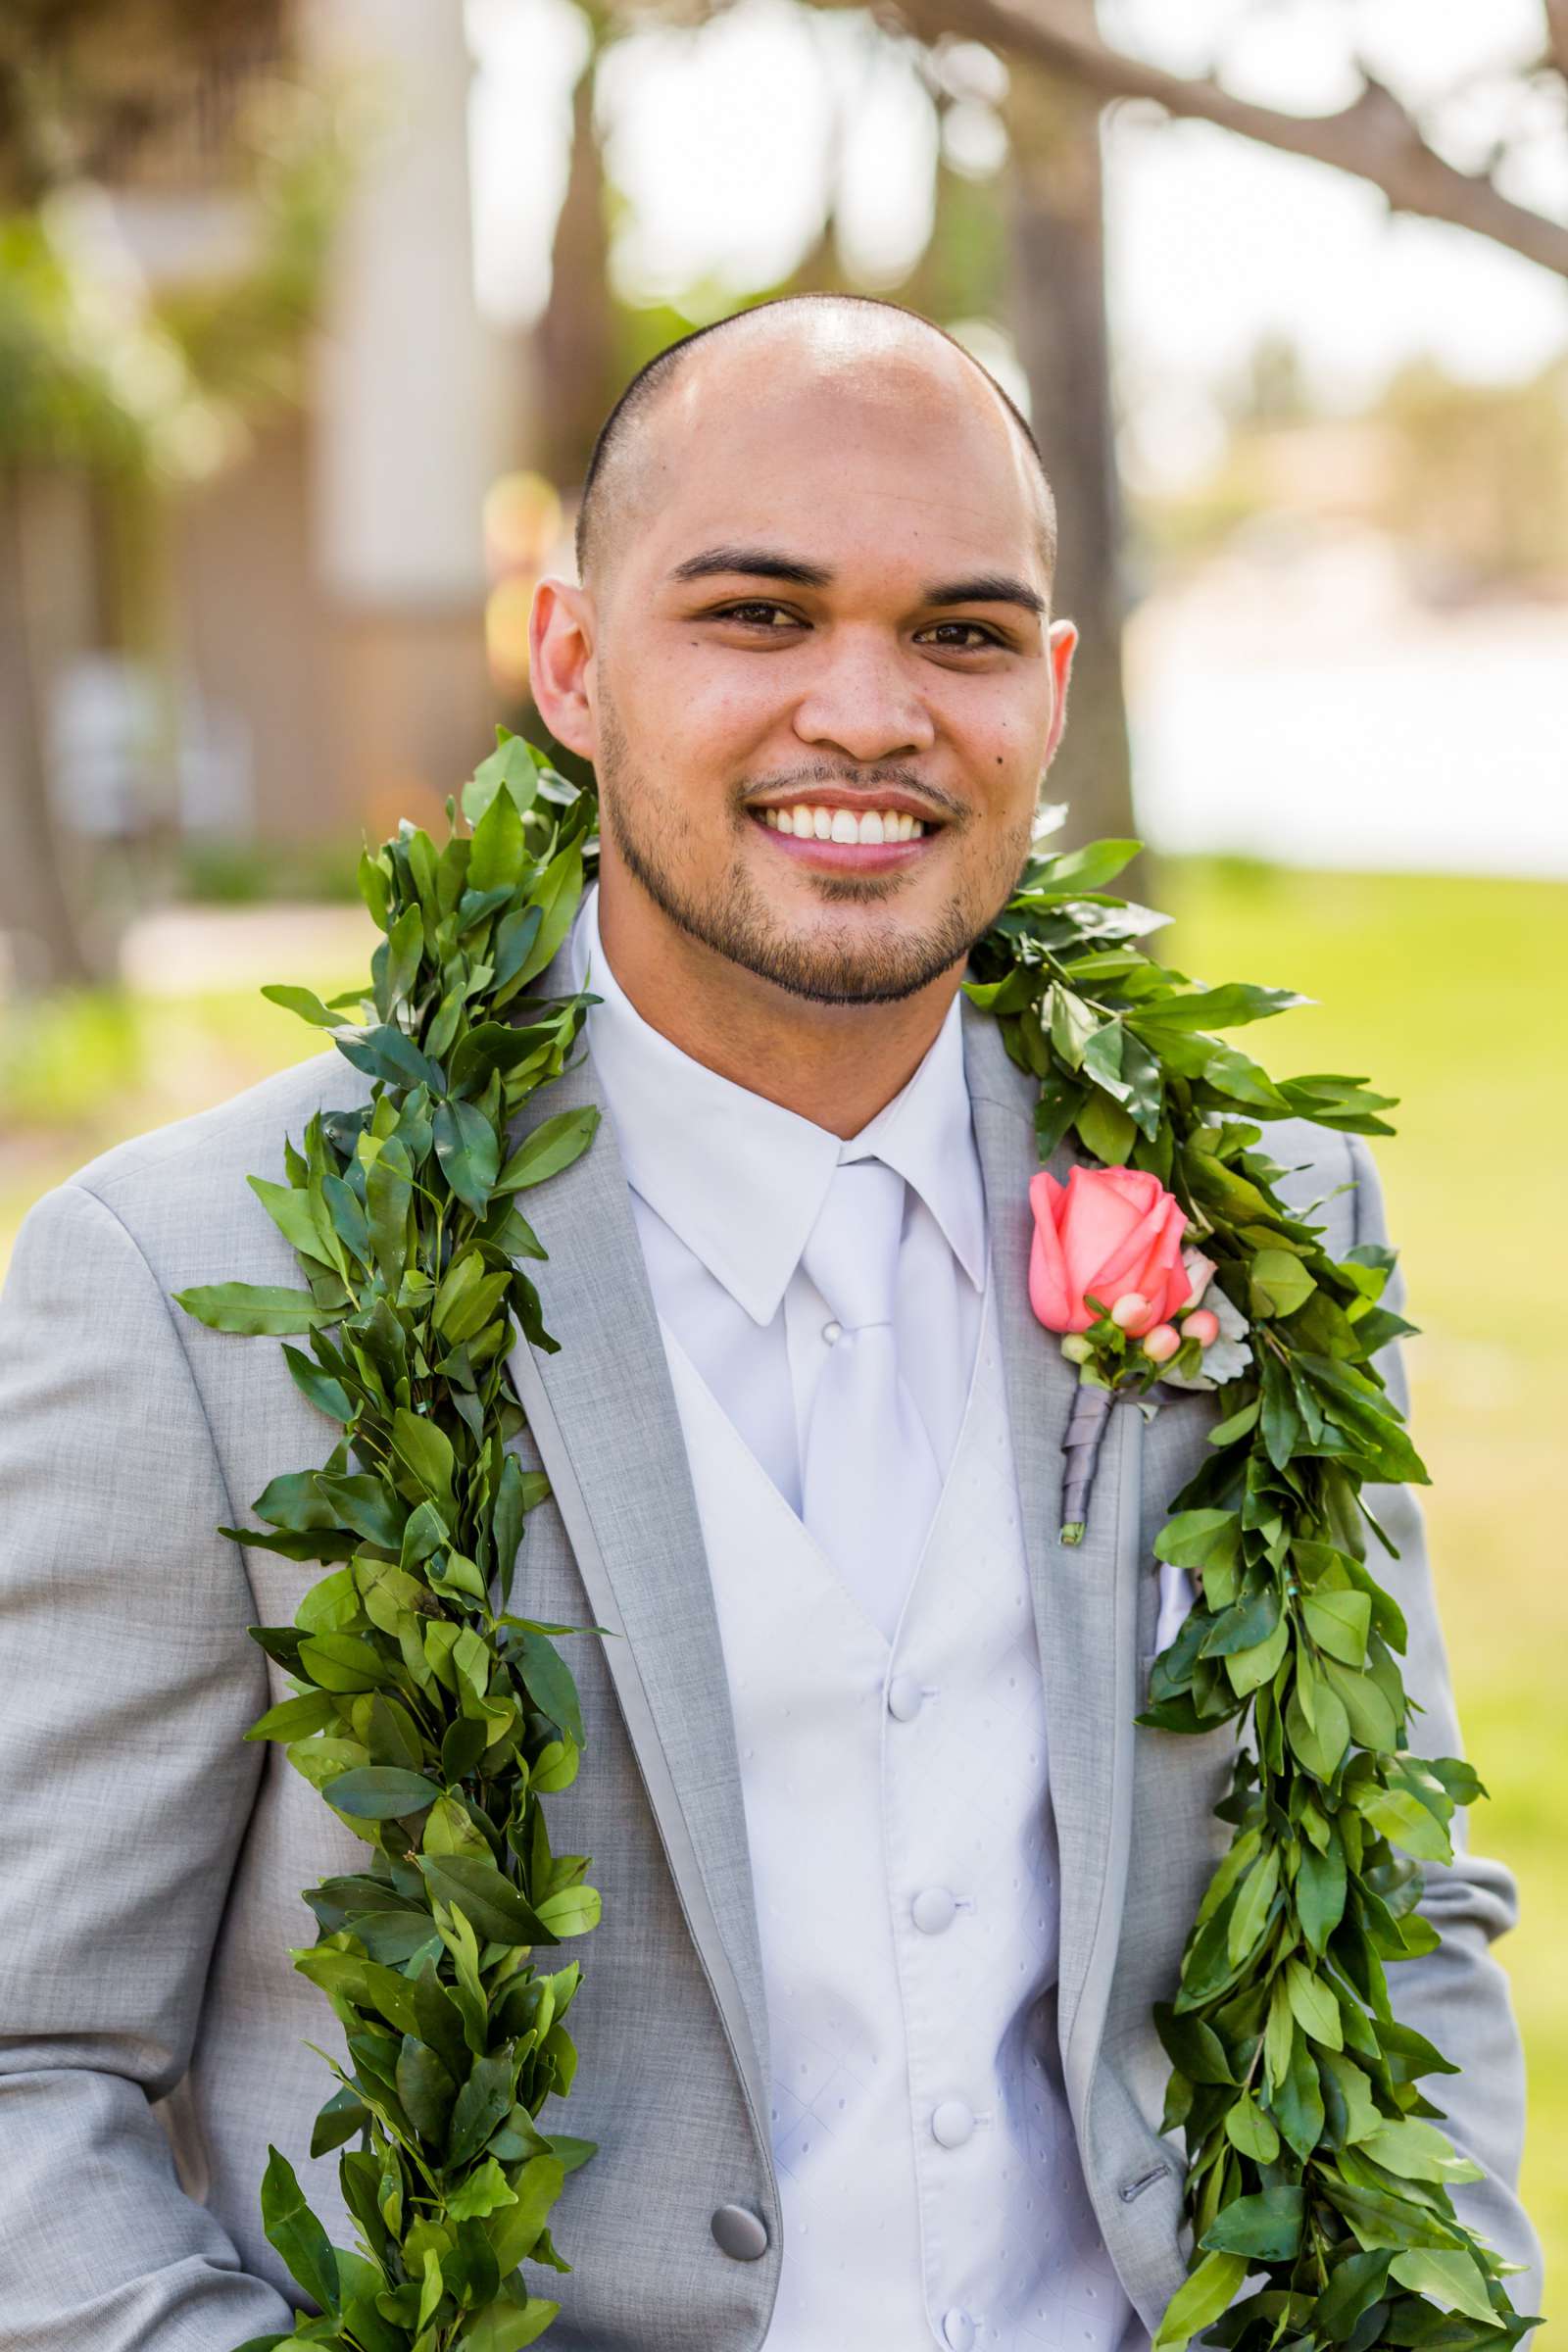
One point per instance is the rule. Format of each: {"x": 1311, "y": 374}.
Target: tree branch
{"x": 1373, "y": 138}
{"x": 1557, "y": 33}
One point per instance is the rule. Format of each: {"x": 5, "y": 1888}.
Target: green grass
{"x": 1438, "y": 990}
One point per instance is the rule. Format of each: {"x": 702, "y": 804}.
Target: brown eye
{"x": 962, "y": 636}
{"x": 745, "y": 612}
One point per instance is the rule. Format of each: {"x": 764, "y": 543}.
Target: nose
{"x": 861, "y": 701}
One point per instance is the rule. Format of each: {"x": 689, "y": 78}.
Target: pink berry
{"x": 1203, "y": 1325}
{"x": 1130, "y": 1309}
{"x": 1162, "y": 1343}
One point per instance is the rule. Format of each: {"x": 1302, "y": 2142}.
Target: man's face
{"x": 823, "y": 687}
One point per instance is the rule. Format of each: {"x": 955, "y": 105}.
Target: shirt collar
{"x": 740, "y": 1180}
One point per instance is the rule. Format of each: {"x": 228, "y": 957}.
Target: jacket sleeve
{"x": 1456, "y": 1995}
{"x": 125, "y": 1794}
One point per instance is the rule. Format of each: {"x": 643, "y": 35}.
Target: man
{"x": 891, "y": 1882}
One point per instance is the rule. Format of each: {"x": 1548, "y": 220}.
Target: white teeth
{"x": 877, "y": 825}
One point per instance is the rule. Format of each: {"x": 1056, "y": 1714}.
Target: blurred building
{"x": 329, "y": 589}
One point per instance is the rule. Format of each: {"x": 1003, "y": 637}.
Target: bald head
{"x": 815, "y": 338}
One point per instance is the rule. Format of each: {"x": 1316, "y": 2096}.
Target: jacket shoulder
{"x": 194, "y": 1168}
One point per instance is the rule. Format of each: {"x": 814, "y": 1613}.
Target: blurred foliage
{"x": 102, "y": 371}
{"x": 87, "y": 86}
{"x": 248, "y": 873}
{"x": 73, "y": 1050}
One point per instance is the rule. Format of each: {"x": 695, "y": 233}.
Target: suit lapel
{"x": 1085, "y": 1599}
{"x": 603, "y": 1415}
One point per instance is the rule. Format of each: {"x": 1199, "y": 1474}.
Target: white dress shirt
{"x": 726, "y": 1187}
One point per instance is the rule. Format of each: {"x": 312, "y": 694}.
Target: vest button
{"x": 958, "y": 2331}
{"x": 739, "y": 2234}
{"x": 905, "y": 1699}
{"x": 951, "y": 2124}
{"x": 932, "y": 1910}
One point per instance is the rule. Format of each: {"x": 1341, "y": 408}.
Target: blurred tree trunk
{"x": 574, "y": 341}
{"x": 37, "y": 913}
{"x": 1058, "y": 314}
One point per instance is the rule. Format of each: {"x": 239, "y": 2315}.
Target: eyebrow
{"x": 765, "y": 564}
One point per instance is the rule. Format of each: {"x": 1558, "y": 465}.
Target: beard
{"x": 853, "y": 964}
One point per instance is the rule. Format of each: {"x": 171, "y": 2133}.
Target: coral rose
{"x": 1108, "y": 1231}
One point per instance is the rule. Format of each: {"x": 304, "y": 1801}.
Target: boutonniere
{"x": 1109, "y": 1273}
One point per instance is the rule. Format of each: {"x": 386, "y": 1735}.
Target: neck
{"x": 835, "y": 1064}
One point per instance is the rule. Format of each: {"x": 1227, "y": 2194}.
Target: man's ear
{"x": 560, "y": 648}
{"x": 1061, "y": 643}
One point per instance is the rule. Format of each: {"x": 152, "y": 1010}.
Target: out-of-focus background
{"x": 308, "y": 315}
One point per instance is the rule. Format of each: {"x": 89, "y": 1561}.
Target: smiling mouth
{"x": 812, "y": 820}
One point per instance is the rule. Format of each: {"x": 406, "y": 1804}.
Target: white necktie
{"x": 869, "y": 1483}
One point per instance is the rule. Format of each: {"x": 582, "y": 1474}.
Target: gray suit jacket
{"x": 152, "y": 2031}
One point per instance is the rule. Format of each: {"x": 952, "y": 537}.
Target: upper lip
{"x": 871, "y": 798}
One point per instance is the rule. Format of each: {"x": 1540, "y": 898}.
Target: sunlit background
{"x": 308, "y": 315}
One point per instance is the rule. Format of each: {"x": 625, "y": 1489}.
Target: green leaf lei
{"x": 435, "y": 1722}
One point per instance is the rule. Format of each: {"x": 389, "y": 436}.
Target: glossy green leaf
{"x": 549, "y": 1148}
{"x": 296, "y": 1718}
{"x": 557, "y": 894}
{"x": 425, "y": 2089}
{"x": 1405, "y": 1822}
{"x": 1248, "y": 2129}
{"x": 507, "y": 2327}
{"x": 1356, "y": 2284}
{"x": 498, "y": 1912}
{"x": 1320, "y": 1743}
{"x": 1296, "y": 2103}
{"x": 378, "y": 1792}
{"x": 1313, "y": 2006}
{"x": 295, "y": 2233}
{"x": 1451, "y": 2280}
{"x": 305, "y": 1002}
{"x": 1320, "y": 1894}
{"x": 571, "y": 1912}
{"x": 465, "y": 1146}
{"x": 483, "y": 2102}
{"x": 1267, "y": 2227}
{"x": 1338, "y": 1622}
{"x": 254, "y": 1310}
{"x": 426, "y": 1450}
{"x": 1200, "y": 2302}
{"x": 1106, "y": 1130}
{"x": 483, "y": 2191}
